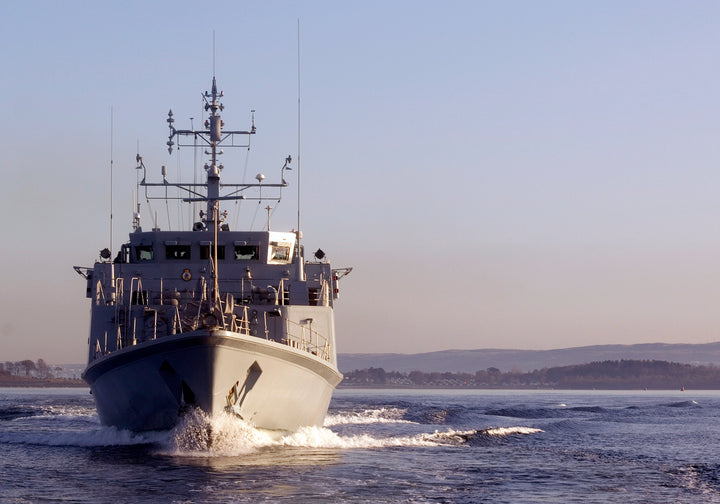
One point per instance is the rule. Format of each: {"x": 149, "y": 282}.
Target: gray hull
{"x": 271, "y": 385}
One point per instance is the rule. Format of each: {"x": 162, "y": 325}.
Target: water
{"x": 382, "y": 446}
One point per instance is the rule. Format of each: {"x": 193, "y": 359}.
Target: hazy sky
{"x": 515, "y": 174}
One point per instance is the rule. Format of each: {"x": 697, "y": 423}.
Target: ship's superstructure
{"x": 211, "y": 317}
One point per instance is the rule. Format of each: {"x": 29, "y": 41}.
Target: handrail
{"x": 159, "y": 320}
{"x": 320, "y": 348}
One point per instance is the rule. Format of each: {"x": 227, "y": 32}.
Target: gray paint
{"x": 222, "y": 320}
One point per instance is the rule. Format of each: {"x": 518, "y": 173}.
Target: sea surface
{"x": 377, "y": 446}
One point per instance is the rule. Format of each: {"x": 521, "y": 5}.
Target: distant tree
{"x": 377, "y": 375}
{"x": 494, "y": 375}
{"x": 43, "y": 370}
{"x": 417, "y": 377}
{"x": 27, "y": 366}
{"x": 623, "y": 374}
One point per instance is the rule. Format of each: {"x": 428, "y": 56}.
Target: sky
{"x": 519, "y": 174}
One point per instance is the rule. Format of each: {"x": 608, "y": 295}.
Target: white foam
{"x": 200, "y": 435}
{"x": 368, "y": 416}
{"x": 506, "y": 431}
{"x": 227, "y": 435}
{"x": 322, "y": 437}
{"x": 65, "y": 416}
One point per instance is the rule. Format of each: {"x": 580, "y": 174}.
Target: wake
{"x": 227, "y": 435}
{"x": 368, "y": 416}
{"x": 199, "y": 435}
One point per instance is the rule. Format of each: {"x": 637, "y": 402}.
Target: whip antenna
{"x": 112, "y": 263}
{"x": 299, "y": 233}
{"x": 111, "y": 179}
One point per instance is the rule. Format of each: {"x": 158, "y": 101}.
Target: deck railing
{"x": 148, "y": 315}
{"x": 303, "y": 337}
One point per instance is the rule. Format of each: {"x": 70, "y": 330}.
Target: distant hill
{"x": 469, "y": 361}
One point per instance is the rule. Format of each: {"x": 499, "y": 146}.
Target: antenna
{"x": 299, "y": 233}
{"x": 112, "y": 263}
{"x": 193, "y": 207}
{"x": 136, "y": 194}
{"x": 111, "y": 178}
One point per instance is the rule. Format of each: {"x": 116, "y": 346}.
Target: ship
{"x": 211, "y": 318}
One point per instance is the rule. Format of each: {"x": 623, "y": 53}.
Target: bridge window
{"x": 280, "y": 253}
{"x": 246, "y": 252}
{"x": 144, "y": 252}
{"x": 177, "y": 252}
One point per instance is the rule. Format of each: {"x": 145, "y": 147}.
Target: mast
{"x": 214, "y": 137}
{"x": 214, "y": 124}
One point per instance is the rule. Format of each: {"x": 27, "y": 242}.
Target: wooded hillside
{"x": 622, "y": 374}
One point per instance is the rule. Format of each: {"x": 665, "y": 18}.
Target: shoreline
{"x": 28, "y": 382}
